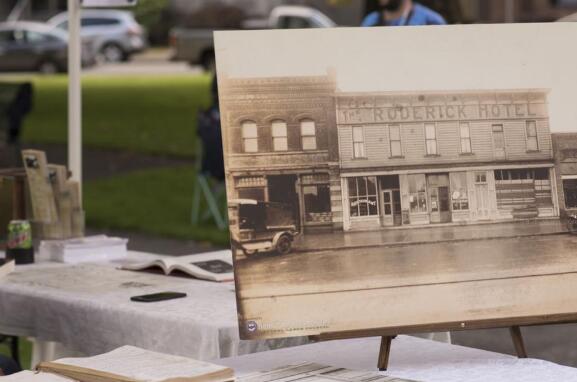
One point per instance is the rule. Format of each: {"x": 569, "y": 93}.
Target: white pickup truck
{"x": 196, "y": 45}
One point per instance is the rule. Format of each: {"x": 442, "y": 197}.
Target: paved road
{"x": 556, "y": 343}
{"x": 370, "y": 268}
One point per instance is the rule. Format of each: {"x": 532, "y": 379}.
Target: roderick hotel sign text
{"x": 352, "y": 110}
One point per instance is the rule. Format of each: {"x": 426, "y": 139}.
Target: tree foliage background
{"x": 155, "y": 16}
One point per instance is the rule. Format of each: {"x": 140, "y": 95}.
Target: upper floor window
{"x": 358, "y": 142}
{"x": 308, "y": 135}
{"x": 531, "y": 133}
{"x": 431, "y": 138}
{"x": 465, "y": 134}
{"x": 249, "y": 137}
{"x": 395, "y": 139}
{"x": 498, "y": 140}
{"x": 279, "y": 135}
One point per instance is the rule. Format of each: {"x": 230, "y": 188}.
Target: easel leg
{"x": 518, "y": 341}
{"x": 384, "y": 352}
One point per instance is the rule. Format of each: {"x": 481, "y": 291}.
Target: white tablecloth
{"x": 412, "y": 358}
{"x": 88, "y": 309}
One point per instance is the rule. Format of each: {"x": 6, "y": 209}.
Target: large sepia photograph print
{"x": 400, "y": 179}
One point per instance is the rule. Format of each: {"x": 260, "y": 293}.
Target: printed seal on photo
{"x": 251, "y": 326}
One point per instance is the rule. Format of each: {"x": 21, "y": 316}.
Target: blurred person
{"x": 210, "y": 135}
{"x": 8, "y": 366}
{"x": 402, "y": 12}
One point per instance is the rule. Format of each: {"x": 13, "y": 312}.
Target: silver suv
{"x": 116, "y": 34}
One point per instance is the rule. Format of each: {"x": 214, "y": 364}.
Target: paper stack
{"x": 100, "y": 248}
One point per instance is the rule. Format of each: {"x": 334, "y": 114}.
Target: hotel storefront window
{"x": 459, "y": 197}
{"x": 523, "y": 191}
{"x": 417, "y": 193}
{"x": 363, "y": 196}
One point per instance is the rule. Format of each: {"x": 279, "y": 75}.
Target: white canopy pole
{"x": 75, "y": 92}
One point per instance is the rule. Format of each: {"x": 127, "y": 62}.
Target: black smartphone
{"x": 158, "y": 296}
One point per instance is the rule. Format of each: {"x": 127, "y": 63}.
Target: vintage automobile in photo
{"x": 258, "y": 226}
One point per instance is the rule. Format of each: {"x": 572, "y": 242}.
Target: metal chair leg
{"x": 15, "y": 351}
{"x": 212, "y": 204}
{"x": 195, "y": 203}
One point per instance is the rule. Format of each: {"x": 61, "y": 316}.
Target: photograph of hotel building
{"x": 359, "y": 161}
{"x": 427, "y": 158}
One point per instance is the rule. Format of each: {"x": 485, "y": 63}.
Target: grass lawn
{"x": 155, "y": 201}
{"x": 148, "y": 114}
{"x": 25, "y": 352}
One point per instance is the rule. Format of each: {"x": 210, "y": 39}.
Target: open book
{"x": 127, "y": 364}
{"x": 213, "y": 266}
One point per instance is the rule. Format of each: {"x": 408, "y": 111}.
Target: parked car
{"x": 116, "y": 34}
{"x": 28, "y": 46}
{"x": 196, "y": 45}
{"x": 258, "y": 226}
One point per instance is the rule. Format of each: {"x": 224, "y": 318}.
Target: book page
{"x": 144, "y": 365}
{"x": 225, "y": 255}
{"x": 31, "y": 376}
{"x": 215, "y": 266}
{"x": 312, "y": 372}
{"x": 160, "y": 263}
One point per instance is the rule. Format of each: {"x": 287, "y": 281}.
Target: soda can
{"x": 19, "y": 245}
{"x": 19, "y": 235}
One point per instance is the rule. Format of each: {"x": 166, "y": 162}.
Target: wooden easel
{"x": 387, "y": 339}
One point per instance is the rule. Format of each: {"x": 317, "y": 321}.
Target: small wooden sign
{"x": 41, "y": 192}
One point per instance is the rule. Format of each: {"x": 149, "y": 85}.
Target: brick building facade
{"x": 281, "y": 146}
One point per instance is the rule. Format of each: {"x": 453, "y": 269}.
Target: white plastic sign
{"x": 108, "y": 3}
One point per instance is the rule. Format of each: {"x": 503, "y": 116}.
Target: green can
{"x": 19, "y": 244}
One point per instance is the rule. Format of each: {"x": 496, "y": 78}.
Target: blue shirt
{"x": 420, "y": 15}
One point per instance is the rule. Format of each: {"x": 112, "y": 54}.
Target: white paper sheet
{"x": 144, "y": 365}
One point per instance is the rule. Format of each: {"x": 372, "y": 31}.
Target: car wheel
{"x": 283, "y": 245}
{"x": 48, "y": 67}
{"x": 112, "y": 53}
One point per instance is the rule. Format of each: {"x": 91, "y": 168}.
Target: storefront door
{"x": 282, "y": 189}
{"x": 482, "y": 191}
{"x": 391, "y": 207}
{"x": 387, "y": 207}
{"x": 444, "y": 205}
{"x": 439, "y": 198}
